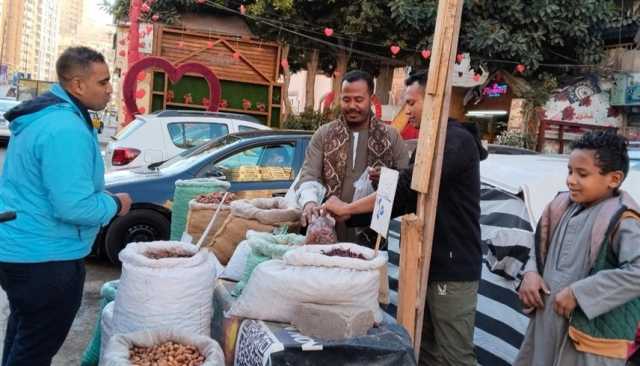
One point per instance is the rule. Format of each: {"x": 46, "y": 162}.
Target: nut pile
{"x": 337, "y": 252}
{"x": 167, "y": 253}
{"x": 215, "y": 198}
{"x": 166, "y": 354}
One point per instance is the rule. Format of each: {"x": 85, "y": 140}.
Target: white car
{"x": 5, "y": 105}
{"x": 158, "y": 137}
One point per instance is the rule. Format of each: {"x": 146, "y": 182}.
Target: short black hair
{"x": 74, "y": 59}
{"x": 356, "y": 75}
{"x": 419, "y": 77}
{"x": 610, "y": 150}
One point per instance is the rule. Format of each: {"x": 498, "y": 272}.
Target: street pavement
{"x": 98, "y": 272}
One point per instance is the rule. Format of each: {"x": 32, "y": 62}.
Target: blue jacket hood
{"x": 56, "y": 96}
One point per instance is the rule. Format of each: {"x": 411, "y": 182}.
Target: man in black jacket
{"x": 447, "y": 335}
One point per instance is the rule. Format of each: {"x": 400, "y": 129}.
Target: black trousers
{"x": 43, "y": 299}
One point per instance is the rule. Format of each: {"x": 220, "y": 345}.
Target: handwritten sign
{"x": 384, "y": 201}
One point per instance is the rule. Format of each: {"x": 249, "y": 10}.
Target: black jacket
{"x": 457, "y": 255}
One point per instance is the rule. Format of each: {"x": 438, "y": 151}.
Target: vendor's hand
{"x": 530, "y": 290}
{"x": 374, "y": 174}
{"x": 336, "y": 207}
{"x": 565, "y": 302}
{"x": 310, "y": 209}
{"x": 125, "y": 203}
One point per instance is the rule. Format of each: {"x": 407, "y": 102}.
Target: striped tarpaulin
{"x": 507, "y": 238}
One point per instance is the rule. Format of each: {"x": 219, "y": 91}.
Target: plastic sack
{"x": 264, "y": 247}
{"x": 235, "y": 268}
{"x": 106, "y": 326}
{"x": 170, "y": 292}
{"x": 321, "y": 230}
{"x": 362, "y": 186}
{"x": 91, "y": 355}
{"x": 117, "y": 353}
{"x": 185, "y": 191}
{"x": 307, "y": 275}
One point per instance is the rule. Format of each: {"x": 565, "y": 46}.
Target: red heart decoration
{"x": 174, "y": 73}
{"x": 155, "y": 17}
{"x": 243, "y": 9}
{"x": 521, "y": 68}
{"x": 180, "y": 44}
{"x": 142, "y": 110}
{"x": 122, "y": 53}
{"x": 140, "y": 94}
{"x": 142, "y": 76}
{"x": 209, "y": 44}
{"x": 425, "y": 54}
{"x": 284, "y": 63}
{"x": 122, "y": 42}
{"x": 459, "y": 58}
{"x": 328, "y": 32}
{"x": 395, "y": 49}
{"x": 236, "y": 56}
{"x": 145, "y": 8}
{"x": 149, "y": 29}
{"x": 201, "y": 1}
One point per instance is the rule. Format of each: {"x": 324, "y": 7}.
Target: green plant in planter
{"x": 308, "y": 120}
{"x": 515, "y": 139}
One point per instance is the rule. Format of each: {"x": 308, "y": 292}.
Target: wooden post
{"x": 409, "y": 279}
{"x": 435, "y": 114}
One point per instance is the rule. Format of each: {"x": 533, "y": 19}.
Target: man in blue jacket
{"x": 53, "y": 179}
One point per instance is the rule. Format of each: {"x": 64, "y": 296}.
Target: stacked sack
{"x": 260, "y": 214}
{"x": 342, "y": 275}
{"x": 164, "y": 285}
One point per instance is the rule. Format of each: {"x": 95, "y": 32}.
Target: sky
{"x": 96, "y": 14}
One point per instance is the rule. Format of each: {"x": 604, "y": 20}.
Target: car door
{"x": 262, "y": 166}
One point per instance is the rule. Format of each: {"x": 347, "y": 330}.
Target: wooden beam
{"x": 410, "y": 265}
{"x": 429, "y": 154}
{"x": 195, "y": 53}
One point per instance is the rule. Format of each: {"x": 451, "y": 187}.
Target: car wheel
{"x": 136, "y": 226}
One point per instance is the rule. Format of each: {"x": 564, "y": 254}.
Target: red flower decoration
{"x": 568, "y": 114}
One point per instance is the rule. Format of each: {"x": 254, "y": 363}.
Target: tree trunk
{"x": 342, "y": 59}
{"x": 312, "y": 71}
{"x": 383, "y": 84}
{"x": 285, "y": 88}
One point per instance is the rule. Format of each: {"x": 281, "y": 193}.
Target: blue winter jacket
{"x": 53, "y": 178}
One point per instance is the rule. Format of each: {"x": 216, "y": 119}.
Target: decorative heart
{"x": 395, "y": 49}
{"x": 284, "y": 63}
{"x": 175, "y": 74}
{"x": 140, "y": 94}
{"x": 155, "y": 17}
{"x": 236, "y": 56}
{"x": 521, "y": 68}
{"x": 243, "y": 9}
{"x": 328, "y": 32}
{"x": 145, "y": 8}
{"x": 425, "y": 54}
{"x": 209, "y": 44}
{"x": 180, "y": 44}
{"x": 122, "y": 53}
{"x": 459, "y": 58}
{"x": 142, "y": 76}
{"x": 149, "y": 29}
{"x": 142, "y": 110}
{"x": 122, "y": 42}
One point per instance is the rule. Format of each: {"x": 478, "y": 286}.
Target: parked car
{"x": 5, "y": 105}
{"x": 157, "y": 137}
{"x": 152, "y": 186}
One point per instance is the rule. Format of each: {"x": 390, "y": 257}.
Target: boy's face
{"x": 586, "y": 182}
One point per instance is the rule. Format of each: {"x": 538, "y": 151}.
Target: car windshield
{"x": 201, "y": 149}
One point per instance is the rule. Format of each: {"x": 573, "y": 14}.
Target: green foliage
{"x": 308, "y": 120}
{"x": 515, "y": 139}
{"x": 168, "y": 10}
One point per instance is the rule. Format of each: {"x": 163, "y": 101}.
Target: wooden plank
{"x": 435, "y": 115}
{"x": 409, "y": 281}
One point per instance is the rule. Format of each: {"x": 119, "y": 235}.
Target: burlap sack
{"x": 260, "y": 214}
{"x": 199, "y": 216}
{"x": 231, "y": 233}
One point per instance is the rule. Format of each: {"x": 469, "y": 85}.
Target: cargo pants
{"x": 448, "y": 326}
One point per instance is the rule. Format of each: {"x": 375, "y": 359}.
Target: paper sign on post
{"x": 384, "y": 201}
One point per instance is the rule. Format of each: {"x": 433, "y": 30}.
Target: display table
{"x": 249, "y": 342}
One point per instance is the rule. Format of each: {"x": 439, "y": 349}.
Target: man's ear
{"x": 615, "y": 179}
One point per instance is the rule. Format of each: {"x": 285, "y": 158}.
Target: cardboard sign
{"x": 384, "y": 201}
